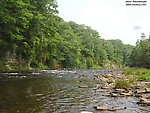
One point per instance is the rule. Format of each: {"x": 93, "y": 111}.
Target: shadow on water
{"x": 55, "y": 91}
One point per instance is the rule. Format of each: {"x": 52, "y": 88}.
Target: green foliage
{"x": 2, "y": 65}
{"x": 145, "y": 76}
{"x": 140, "y": 56}
{"x": 32, "y": 35}
{"x": 148, "y": 85}
{"x": 132, "y": 80}
{"x": 122, "y": 84}
{"x": 136, "y": 71}
{"x": 110, "y": 81}
{"x": 141, "y": 73}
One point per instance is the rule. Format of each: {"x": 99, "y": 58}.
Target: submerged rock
{"x": 83, "y": 86}
{"x": 103, "y": 91}
{"x": 144, "y": 102}
{"x": 117, "y": 108}
{"x": 110, "y": 109}
{"x": 86, "y": 112}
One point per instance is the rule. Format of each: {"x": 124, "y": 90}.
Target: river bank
{"x": 74, "y": 91}
{"x": 131, "y": 82}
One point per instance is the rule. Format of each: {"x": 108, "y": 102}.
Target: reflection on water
{"x": 56, "y": 92}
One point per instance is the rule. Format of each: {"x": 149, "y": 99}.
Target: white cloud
{"x": 112, "y": 19}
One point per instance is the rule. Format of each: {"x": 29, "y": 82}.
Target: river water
{"x": 56, "y": 91}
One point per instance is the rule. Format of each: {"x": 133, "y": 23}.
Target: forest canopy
{"x": 32, "y": 35}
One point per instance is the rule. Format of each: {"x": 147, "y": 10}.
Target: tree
{"x": 140, "y": 56}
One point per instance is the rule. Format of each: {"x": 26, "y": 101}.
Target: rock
{"x": 86, "y": 112}
{"x": 110, "y": 109}
{"x": 75, "y": 77}
{"x": 120, "y": 90}
{"x": 147, "y": 90}
{"x": 114, "y": 95}
{"x": 143, "y": 99}
{"x": 83, "y": 86}
{"x": 147, "y": 96}
{"x": 138, "y": 95}
{"x": 126, "y": 94}
{"x": 140, "y": 91}
{"x": 97, "y": 87}
{"x": 103, "y": 91}
{"x": 107, "y": 95}
{"x": 110, "y": 75}
{"x": 103, "y": 79}
{"x": 144, "y": 102}
{"x": 131, "y": 93}
{"x": 81, "y": 76}
{"x": 102, "y": 108}
{"x": 148, "y": 82}
{"x": 105, "y": 87}
{"x": 136, "y": 87}
{"x": 117, "y": 108}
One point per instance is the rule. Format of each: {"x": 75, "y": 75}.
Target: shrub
{"x": 142, "y": 73}
{"x": 145, "y": 76}
{"x": 122, "y": 84}
{"x": 148, "y": 85}
{"x": 110, "y": 81}
{"x": 132, "y": 80}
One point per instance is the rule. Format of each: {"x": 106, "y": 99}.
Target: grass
{"x": 110, "y": 81}
{"x": 145, "y": 76}
{"x": 122, "y": 84}
{"x": 132, "y": 80}
{"x": 148, "y": 85}
{"x": 141, "y": 73}
{"x": 106, "y": 76}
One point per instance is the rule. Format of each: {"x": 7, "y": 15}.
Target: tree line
{"x": 140, "y": 56}
{"x": 32, "y": 35}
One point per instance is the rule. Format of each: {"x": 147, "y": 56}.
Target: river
{"x": 56, "y": 91}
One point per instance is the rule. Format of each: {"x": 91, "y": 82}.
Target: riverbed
{"x": 56, "y": 91}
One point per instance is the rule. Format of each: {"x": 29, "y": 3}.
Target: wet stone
{"x": 107, "y": 95}
{"x": 140, "y": 91}
{"x": 138, "y": 95}
{"x": 117, "y": 108}
{"x": 120, "y": 90}
{"x": 144, "y": 102}
{"x": 114, "y": 95}
{"x": 110, "y": 109}
{"x": 103, "y": 91}
{"x": 147, "y": 90}
{"x": 143, "y": 99}
{"x": 86, "y": 112}
{"x": 126, "y": 94}
{"x": 102, "y": 108}
{"x": 105, "y": 87}
{"x": 83, "y": 86}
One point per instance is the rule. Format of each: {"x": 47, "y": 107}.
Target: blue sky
{"x": 111, "y": 18}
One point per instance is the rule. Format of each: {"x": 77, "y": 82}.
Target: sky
{"x": 111, "y": 18}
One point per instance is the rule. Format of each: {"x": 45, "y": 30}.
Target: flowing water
{"x": 55, "y": 91}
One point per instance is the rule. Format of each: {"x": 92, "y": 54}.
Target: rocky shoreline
{"x": 107, "y": 86}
